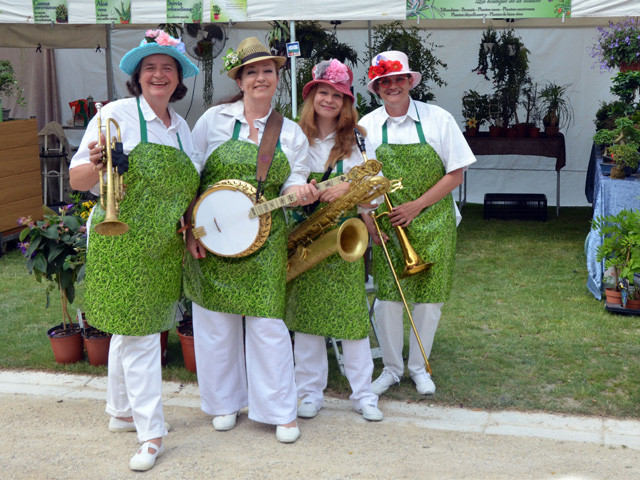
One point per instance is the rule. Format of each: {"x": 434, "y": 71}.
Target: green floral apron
{"x": 432, "y": 233}
{"x": 133, "y": 281}
{"x": 329, "y": 299}
{"x": 253, "y": 285}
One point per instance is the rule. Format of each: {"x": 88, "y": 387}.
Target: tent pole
{"x": 294, "y": 87}
{"x": 109, "y": 64}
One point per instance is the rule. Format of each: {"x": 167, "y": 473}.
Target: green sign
{"x": 458, "y": 9}
{"x": 116, "y": 11}
{"x": 228, "y": 10}
{"x": 188, "y": 11}
{"x": 48, "y": 11}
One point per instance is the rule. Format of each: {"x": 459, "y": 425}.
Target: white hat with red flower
{"x": 390, "y": 63}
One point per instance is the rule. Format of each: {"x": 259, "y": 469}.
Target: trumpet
{"x": 112, "y": 193}
{"x": 413, "y": 263}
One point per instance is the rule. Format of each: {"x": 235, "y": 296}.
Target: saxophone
{"x": 310, "y": 243}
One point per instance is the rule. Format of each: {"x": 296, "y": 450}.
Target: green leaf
{"x": 71, "y": 222}
{"x": 51, "y": 232}
{"x": 32, "y": 246}
{"x": 55, "y": 250}
{"x": 71, "y": 293}
{"x": 24, "y": 233}
{"x": 40, "y": 262}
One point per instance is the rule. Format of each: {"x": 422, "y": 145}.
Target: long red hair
{"x": 347, "y": 121}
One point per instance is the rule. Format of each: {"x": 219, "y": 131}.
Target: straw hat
{"x": 250, "y": 51}
{"x": 334, "y": 73}
{"x": 158, "y": 41}
{"x": 390, "y": 63}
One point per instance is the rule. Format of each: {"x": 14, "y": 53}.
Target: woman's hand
{"x": 96, "y": 152}
{"x": 332, "y": 193}
{"x": 194, "y": 247}
{"x": 373, "y": 233}
{"x": 403, "y": 215}
{"x": 307, "y": 193}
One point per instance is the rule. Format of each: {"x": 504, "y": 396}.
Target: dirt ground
{"x": 44, "y": 437}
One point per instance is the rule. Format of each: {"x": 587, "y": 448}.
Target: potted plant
{"x": 617, "y": 45}
{"x": 556, "y": 108}
{"x": 529, "y": 101}
{"x": 277, "y": 37}
{"x": 62, "y": 16}
{"x": 196, "y": 12}
{"x": 495, "y": 116}
{"x": 488, "y": 43}
{"x": 55, "y": 248}
{"x": 185, "y": 333}
{"x": 620, "y": 249}
{"x": 621, "y": 144}
{"x": 124, "y": 13}
{"x": 215, "y": 12}
{"x": 9, "y": 87}
{"x": 475, "y": 110}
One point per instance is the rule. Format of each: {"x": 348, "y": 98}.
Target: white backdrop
{"x": 557, "y": 54}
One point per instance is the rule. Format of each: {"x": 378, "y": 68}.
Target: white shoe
{"x": 384, "y": 381}
{"x": 424, "y": 384}
{"x": 223, "y": 423}
{"x": 307, "y": 410}
{"x": 118, "y": 426}
{"x": 371, "y": 412}
{"x": 144, "y": 459}
{"x": 287, "y": 434}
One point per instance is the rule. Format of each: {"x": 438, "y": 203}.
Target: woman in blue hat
{"x": 133, "y": 280}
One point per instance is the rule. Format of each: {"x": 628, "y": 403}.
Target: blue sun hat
{"x": 158, "y": 41}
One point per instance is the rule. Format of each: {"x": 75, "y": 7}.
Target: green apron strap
{"x": 236, "y": 130}
{"x": 143, "y": 124}
{"x": 339, "y": 167}
{"x": 179, "y": 142}
{"x": 418, "y": 125}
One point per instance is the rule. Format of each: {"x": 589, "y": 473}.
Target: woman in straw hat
{"x": 329, "y": 300}
{"x": 223, "y": 289}
{"x": 421, "y": 144}
{"x": 133, "y": 280}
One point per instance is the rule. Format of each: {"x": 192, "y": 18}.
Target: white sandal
{"x": 144, "y": 459}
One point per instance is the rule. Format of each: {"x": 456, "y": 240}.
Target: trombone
{"x": 112, "y": 193}
{"x": 413, "y": 264}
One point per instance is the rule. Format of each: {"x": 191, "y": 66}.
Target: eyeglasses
{"x": 386, "y": 82}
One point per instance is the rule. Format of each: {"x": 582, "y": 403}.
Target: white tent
{"x": 559, "y": 52}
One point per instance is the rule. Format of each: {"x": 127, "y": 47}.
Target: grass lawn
{"x": 521, "y": 331}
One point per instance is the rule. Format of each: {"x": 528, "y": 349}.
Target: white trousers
{"x": 391, "y": 334}
{"x": 266, "y": 385}
{"x": 312, "y": 369}
{"x": 134, "y": 383}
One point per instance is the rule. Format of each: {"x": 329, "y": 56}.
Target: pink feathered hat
{"x": 334, "y": 73}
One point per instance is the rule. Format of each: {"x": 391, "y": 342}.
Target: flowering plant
{"x": 55, "y": 249}
{"x": 332, "y": 70}
{"x": 617, "y": 44}
{"x": 231, "y": 60}
{"x": 384, "y": 67}
{"x": 163, "y": 38}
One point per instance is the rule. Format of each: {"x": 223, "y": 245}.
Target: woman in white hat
{"x": 225, "y": 289}
{"x": 421, "y": 144}
{"x": 133, "y": 280}
{"x": 329, "y": 300}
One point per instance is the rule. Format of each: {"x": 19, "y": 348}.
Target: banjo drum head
{"x": 223, "y": 212}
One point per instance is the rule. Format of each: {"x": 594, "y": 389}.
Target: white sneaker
{"x": 144, "y": 459}
{"x": 424, "y": 384}
{"x": 371, "y": 412}
{"x": 287, "y": 434}
{"x": 307, "y": 410}
{"x": 384, "y": 381}
{"x": 222, "y": 423}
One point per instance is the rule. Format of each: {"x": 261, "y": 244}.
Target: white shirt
{"x": 125, "y": 113}
{"x": 216, "y": 126}
{"x": 439, "y": 127}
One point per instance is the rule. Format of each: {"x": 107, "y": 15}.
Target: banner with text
{"x": 458, "y": 9}
{"x": 113, "y": 11}
{"x": 228, "y": 10}
{"x": 50, "y": 11}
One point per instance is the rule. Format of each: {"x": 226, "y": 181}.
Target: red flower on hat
{"x": 384, "y": 67}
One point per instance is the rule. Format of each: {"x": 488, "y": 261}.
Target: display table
{"x": 543, "y": 146}
{"x": 610, "y": 196}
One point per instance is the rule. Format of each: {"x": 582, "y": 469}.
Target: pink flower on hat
{"x": 161, "y": 38}
{"x": 335, "y": 72}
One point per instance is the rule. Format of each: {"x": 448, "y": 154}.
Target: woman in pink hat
{"x": 329, "y": 299}
{"x": 421, "y": 144}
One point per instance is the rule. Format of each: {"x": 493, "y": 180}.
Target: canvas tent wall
{"x": 559, "y": 53}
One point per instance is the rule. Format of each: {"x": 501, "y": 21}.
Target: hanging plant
{"x": 206, "y": 51}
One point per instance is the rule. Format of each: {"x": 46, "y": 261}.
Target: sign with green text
{"x": 116, "y": 11}
{"x": 228, "y": 10}
{"x": 50, "y": 11}
{"x": 188, "y": 11}
{"x": 458, "y": 9}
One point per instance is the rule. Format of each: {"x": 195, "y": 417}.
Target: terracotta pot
{"x": 188, "y": 351}
{"x": 495, "y": 131}
{"x": 630, "y": 67}
{"x": 512, "y": 132}
{"x": 552, "y": 131}
{"x": 471, "y": 131}
{"x": 534, "y": 132}
{"x": 522, "y": 129}
{"x": 97, "y": 344}
{"x": 164, "y": 337}
{"x": 633, "y": 304}
{"x": 67, "y": 348}
{"x": 613, "y": 296}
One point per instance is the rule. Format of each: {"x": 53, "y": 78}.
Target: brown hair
{"x": 347, "y": 121}
{"x": 135, "y": 89}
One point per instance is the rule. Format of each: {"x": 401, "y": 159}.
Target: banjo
{"x": 227, "y": 221}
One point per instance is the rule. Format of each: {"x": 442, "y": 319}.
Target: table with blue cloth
{"x": 610, "y": 196}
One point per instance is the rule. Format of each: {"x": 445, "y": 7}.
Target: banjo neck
{"x": 370, "y": 167}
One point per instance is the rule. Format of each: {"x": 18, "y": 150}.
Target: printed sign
{"x": 116, "y": 11}
{"x": 451, "y": 9}
{"x": 228, "y": 10}
{"x": 48, "y": 11}
{"x": 293, "y": 49}
{"x": 188, "y": 11}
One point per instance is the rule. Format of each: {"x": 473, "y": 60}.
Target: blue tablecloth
{"x": 610, "y": 196}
